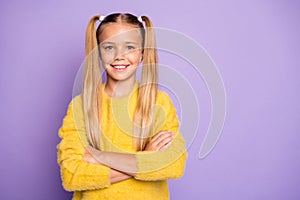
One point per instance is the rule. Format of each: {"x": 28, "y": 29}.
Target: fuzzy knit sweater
{"x": 91, "y": 181}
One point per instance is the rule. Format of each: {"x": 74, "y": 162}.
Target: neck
{"x": 119, "y": 89}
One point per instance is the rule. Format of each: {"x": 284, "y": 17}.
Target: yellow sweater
{"x": 91, "y": 181}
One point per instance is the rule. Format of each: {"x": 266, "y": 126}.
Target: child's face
{"x": 120, "y": 50}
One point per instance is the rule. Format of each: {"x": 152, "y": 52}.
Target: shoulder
{"x": 75, "y": 108}
{"x": 164, "y": 100}
{"x": 165, "y": 112}
{"x": 77, "y": 99}
{"x": 76, "y": 102}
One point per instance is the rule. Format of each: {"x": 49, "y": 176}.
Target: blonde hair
{"x": 91, "y": 94}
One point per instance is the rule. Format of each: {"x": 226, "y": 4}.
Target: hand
{"x": 90, "y": 155}
{"x": 160, "y": 141}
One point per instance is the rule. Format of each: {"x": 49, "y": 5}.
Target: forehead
{"x": 119, "y": 32}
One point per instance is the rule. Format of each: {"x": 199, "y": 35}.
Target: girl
{"x": 120, "y": 139}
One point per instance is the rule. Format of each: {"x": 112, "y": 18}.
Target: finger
{"x": 165, "y": 142}
{"x": 87, "y": 148}
{"x": 154, "y": 142}
{"x": 159, "y": 134}
{"x": 86, "y": 157}
{"x": 165, "y": 147}
{"x": 163, "y": 137}
{"x": 90, "y": 149}
{"x": 162, "y": 143}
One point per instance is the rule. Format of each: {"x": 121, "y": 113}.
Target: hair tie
{"x": 101, "y": 18}
{"x": 140, "y": 19}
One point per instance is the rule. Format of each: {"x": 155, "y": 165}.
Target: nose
{"x": 120, "y": 54}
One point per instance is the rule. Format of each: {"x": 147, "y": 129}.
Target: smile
{"x": 120, "y": 67}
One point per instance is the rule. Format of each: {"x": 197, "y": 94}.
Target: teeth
{"x": 119, "y": 66}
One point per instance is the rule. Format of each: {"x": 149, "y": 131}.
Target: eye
{"x": 109, "y": 47}
{"x": 130, "y": 47}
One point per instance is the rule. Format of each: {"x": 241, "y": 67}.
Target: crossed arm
{"x": 128, "y": 168}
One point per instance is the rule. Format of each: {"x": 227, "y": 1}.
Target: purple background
{"x": 254, "y": 44}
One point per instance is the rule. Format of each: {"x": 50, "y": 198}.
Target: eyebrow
{"x": 131, "y": 42}
{"x": 107, "y": 43}
{"x": 127, "y": 42}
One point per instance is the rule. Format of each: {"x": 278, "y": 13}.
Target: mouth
{"x": 119, "y": 67}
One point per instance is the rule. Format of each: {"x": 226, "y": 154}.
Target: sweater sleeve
{"x": 76, "y": 174}
{"x": 169, "y": 163}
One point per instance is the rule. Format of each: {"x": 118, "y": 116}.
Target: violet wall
{"x": 255, "y": 45}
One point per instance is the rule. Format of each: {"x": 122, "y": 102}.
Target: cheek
{"x": 107, "y": 57}
{"x": 134, "y": 57}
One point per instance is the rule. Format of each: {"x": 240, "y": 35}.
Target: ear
{"x": 99, "y": 52}
{"x": 142, "y": 56}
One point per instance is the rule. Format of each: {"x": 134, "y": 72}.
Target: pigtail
{"x": 148, "y": 87}
{"x": 91, "y": 94}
